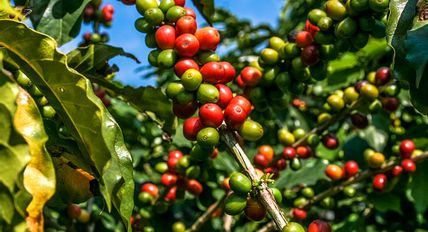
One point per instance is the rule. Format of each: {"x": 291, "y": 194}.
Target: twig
{"x": 264, "y": 194}
{"x": 207, "y": 215}
{"x": 227, "y": 222}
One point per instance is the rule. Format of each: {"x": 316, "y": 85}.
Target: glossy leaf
{"x": 91, "y": 125}
{"x": 206, "y": 8}
{"x": 39, "y": 174}
{"x": 57, "y": 18}
{"x": 407, "y": 36}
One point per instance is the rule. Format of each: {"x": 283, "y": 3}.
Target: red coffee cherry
{"x": 351, "y": 168}
{"x": 243, "y": 102}
{"x": 289, "y": 153}
{"x": 186, "y": 24}
{"x": 251, "y": 76}
{"x": 281, "y": 164}
{"x": 213, "y": 72}
{"x": 254, "y": 210}
{"x": 190, "y": 12}
{"x": 229, "y": 72}
{"x": 359, "y": 120}
{"x": 208, "y": 38}
{"x": 408, "y": 165}
{"x": 310, "y": 55}
{"x": 74, "y": 211}
{"x": 211, "y": 115}
{"x": 150, "y": 188}
{"x": 186, "y": 45}
{"x": 172, "y": 194}
{"x": 168, "y": 179}
{"x": 406, "y": 148}
{"x": 299, "y": 214}
{"x": 184, "y": 110}
{"x": 183, "y": 65}
{"x": 312, "y": 29}
{"x": 390, "y": 103}
{"x": 334, "y": 172}
{"x": 165, "y": 37}
{"x": 225, "y": 96}
{"x": 128, "y": 2}
{"x": 194, "y": 187}
{"x": 303, "y": 152}
{"x": 380, "y": 181}
{"x": 261, "y": 160}
{"x": 241, "y": 84}
{"x": 303, "y": 39}
{"x": 177, "y": 154}
{"x": 234, "y": 116}
{"x": 180, "y": 2}
{"x": 396, "y": 170}
{"x": 330, "y": 141}
{"x": 319, "y": 226}
{"x": 382, "y": 76}
{"x": 191, "y": 127}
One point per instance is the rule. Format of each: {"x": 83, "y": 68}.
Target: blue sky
{"x": 123, "y": 34}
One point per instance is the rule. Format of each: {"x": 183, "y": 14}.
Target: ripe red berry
{"x": 281, "y": 164}
{"x": 303, "y": 39}
{"x": 254, "y": 210}
{"x": 180, "y": 2}
{"x": 408, "y": 165}
{"x": 319, "y": 226}
{"x": 74, "y": 211}
{"x": 214, "y": 154}
{"x": 406, "y": 148}
{"x": 359, "y": 120}
{"x": 289, "y": 153}
{"x": 243, "y": 102}
{"x": 303, "y": 152}
{"x": 128, "y": 2}
{"x": 380, "y": 181}
{"x": 334, "y": 172}
{"x": 108, "y": 17}
{"x": 229, "y": 72}
{"x": 109, "y": 8}
{"x": 330, "y": 141}
{"x": 312, "y": 29}
{"x": 186, "y": 45}
{"x": 299, "y": 214}
{"x": 213, "y": 72}
{"x": 382, "y": 76}
{"x": 190, "y": 12}
{"x": 183, "y": 65}
{"x": 261, "y": 160}
{"x": 390, "y": 103}
{"x": 251, "y": 76}
{"x": 165, "y": 37}
{"x": 172, "y": 194}
{"x": 240, "y": 82}
{"x": 351, "y": 168}
{"x": 208, "y": 38}
{"x": 396, "y": 170}
{"x": 168, "y": 179}
{"x": 186, "y": 24}
{"x": 191, "y": 127}
{"x": 310, "y": 55}
{"x": 225, "y": 95}
{"x": 211, "y": 115}
{"x": 184, "y": 110}
{"x": 194, "y": 187}
{"x": 234, "y": 116}
{"x": 150, "y": 188}
{"x": 272, "y": 170}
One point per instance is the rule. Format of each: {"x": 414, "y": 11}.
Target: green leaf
{"x": 311, "y": 172}
{"x": 385, "y": 202}
{"x": 58, "y": 18}
{"x": 376, "y": 134}
{"x": 419, "y": 188}
{"x": 206, "y": 8}
{"x": 225, "y": 162}
{"x": 407, "y": 36}
{"x": 91, "y": 125}
{"x": 94, "y": 57}
{"x": 7, "y": 208}
{"x": 39, "y": 174}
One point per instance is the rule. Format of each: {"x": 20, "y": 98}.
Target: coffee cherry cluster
{"x": 243, "y": 198}
{"x": 267, "y": 161}
{"x": 97, "y": 15}
{"x": 75, "y": 212}
{"x": 172, "y": 30}
{"x": 336, "y": 172}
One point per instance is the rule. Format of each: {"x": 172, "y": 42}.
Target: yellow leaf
{"x": 39, "y": 174}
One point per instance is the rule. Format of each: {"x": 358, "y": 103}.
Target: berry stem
{"x": 207, "y": 215}
{"x": 264, "y": 194}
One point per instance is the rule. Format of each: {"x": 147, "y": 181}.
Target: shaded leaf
{"x": 419, "y": 188}
{"x": 311, "y": 172}
{"x": 91, "y": 125}
{"x": 206, "y": 8}
{"x": 39, "y": 174}
{"x": 376, "y": 134}
{"x": 58, "y": 18}
{"x": 6, "y": 205}
{"x": 385, "y": 202}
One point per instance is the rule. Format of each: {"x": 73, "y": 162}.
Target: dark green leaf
{"x": 376, "y": 134}
{"x": 311, "y": 172}
{"x": 206, "y": 8}
{"x": 58, "y": 18}
{"x": 385, "y": 202}
{"x": 91, "y": 125}
{"x": 419, "y": 187}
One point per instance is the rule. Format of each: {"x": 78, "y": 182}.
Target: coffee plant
{"x": 318, "y": 124}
